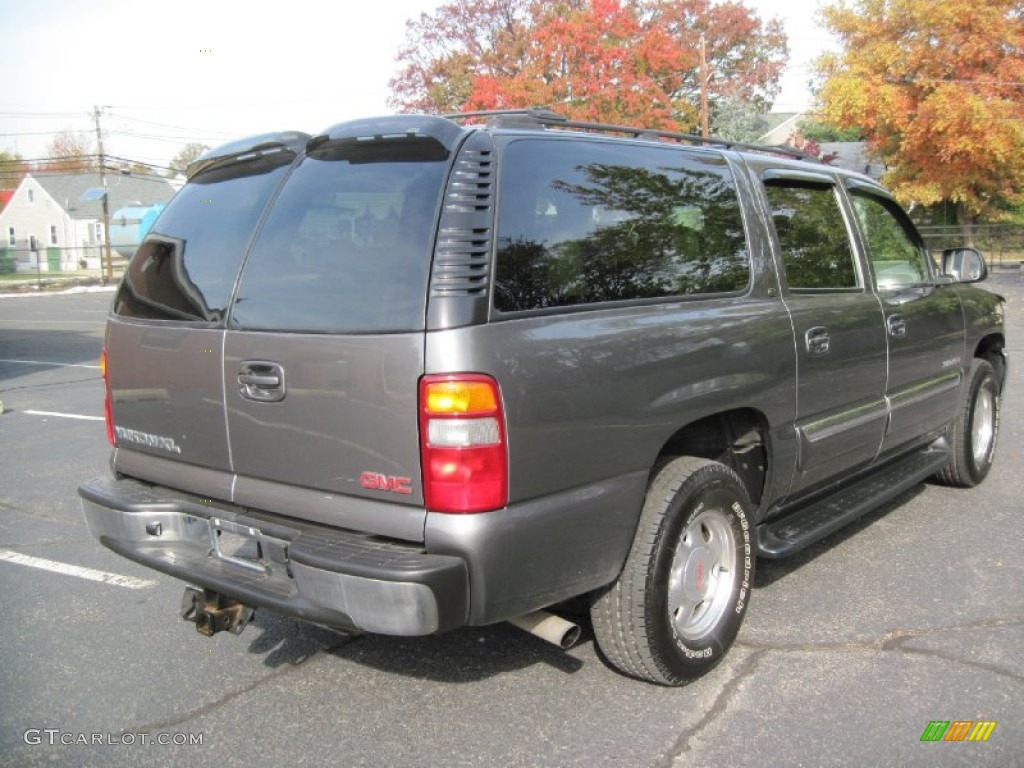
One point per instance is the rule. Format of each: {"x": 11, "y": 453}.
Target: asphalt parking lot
{"x": 849, "y": 650}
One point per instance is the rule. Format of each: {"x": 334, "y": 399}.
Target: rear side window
{"x": 186, "y": 267}
{"x": 585, "y": 222}
{"x": 812, "y": 235}
{"x": 346, "y": 247}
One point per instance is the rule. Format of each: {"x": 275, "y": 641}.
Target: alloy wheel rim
{"x": 983, "y": 425}
{"x": 702, "y": 575}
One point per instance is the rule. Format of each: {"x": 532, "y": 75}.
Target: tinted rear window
{"x": 186, "y": 268}
{"x": 346, "y": 247}
{"x": 583, "y": 222}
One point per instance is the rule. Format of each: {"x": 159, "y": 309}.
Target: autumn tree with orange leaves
{"x": 617, "y": 61}
{"x": 69, "y": 152}
{"x": 938, "y": 89}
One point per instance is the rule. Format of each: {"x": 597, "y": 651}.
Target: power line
{"x": 167, "y": 125}
{"x": 912, "y": 80}
{"x": 12, "y": 170}
{"x": 223, "y": 106}
{"x": 178, "y": 139}
{"x": 35, "y": 133}
{"x": 41, "y": 163}
{"x": 43, "y": 159}
{"x": 139, "y": 162}
{"x": 41, "y": 115}
{"x": 166, "y": 139}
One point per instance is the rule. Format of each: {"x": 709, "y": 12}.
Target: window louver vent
{"x": 462, "y": 256}
{"x": 471, "y": 186}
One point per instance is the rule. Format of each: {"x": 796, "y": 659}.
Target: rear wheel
{"x": 682, "y": 594}
{"x": 975, "y": 429}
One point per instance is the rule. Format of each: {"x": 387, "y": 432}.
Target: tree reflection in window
{"x": 812, "y": 235}
{"x": 588, "y": 222}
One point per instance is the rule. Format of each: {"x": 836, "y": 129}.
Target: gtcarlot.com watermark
{"x": 54, "y": 737}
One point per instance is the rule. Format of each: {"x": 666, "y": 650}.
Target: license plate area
{"x": 239, "y": 544}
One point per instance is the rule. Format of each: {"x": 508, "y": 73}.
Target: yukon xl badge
{"x": 373, "y": 481}
{"x": 146, "y": 439}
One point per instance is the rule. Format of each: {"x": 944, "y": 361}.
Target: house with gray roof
{"x": 47, "y": 226}
{"x": 852, "y": 155}
{"x": 780, "y": 127}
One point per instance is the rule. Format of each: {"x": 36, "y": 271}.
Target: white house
{"x": 47, "y": 226}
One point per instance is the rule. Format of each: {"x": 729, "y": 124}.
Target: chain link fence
{"x": 52, "y": 261}
{"x": 1002, "y": 244}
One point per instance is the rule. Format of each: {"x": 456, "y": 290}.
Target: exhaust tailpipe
{"x": 547, "y": 626}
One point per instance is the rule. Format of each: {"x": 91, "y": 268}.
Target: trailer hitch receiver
{"x": 213, "y": 612}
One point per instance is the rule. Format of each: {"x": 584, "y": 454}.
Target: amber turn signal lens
{"x": 460, "y": 397}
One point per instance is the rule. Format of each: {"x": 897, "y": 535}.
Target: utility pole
{"x": 705, "y": 121}
{"x": 108, "y": 273}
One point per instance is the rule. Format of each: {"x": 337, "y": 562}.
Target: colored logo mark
{"x": 958, "y": 730}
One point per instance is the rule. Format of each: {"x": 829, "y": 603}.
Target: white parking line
{"x": 64, "y": 415}
{"x": 57, "y": 365}
{"x": 75, "y": 570}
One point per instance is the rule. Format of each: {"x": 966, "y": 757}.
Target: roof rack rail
{"x": 545, "y": 118}
{"x": 536, "y": 114}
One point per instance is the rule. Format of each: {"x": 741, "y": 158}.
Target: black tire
{"x": 676, "y": 607}
{"x": 974, "y": 432}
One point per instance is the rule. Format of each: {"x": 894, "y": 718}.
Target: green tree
{"x": 737, "y": 120}
{"x": 12, "y": 169}
{"x": 814, "y": 130}
{"x": 186, "y": 155}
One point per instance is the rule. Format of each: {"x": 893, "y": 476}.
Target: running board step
{"x": 790, "y": 534}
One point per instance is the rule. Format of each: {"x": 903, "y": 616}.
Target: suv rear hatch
{"x": 269, "y": 336}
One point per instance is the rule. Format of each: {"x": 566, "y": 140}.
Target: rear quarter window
{"x": 813, "y": 238}
{"x": 585, "y": 222}
{"x": 186, "y": 267}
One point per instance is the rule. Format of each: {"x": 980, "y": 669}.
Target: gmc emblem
{"x": 389, "y": 483}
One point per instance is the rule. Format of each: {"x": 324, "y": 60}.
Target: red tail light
{"x": 462, "y": 444}
{"x": 108, "y": 415}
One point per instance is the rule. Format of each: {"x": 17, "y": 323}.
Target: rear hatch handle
{"x": 261, "y": 380}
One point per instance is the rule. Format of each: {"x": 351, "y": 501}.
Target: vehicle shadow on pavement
{"x": 281, "y": 640}
{"x": 482, "y": 652}
{"x": 462, "y": 656}
{"x": 770, "y": 571}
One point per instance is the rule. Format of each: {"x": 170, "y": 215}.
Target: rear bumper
{"x": 310, "y": 571}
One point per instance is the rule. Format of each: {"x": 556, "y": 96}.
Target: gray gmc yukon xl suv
{"x": 419, "y": 373}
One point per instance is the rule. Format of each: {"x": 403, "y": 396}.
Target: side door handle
{"x": 817, "y": 341}
{"x": 897, "y": 326}
{"x": 261, "y": 381}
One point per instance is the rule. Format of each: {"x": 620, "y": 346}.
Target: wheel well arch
{"x": 737, "y": 438}
{"x": 991, "y": 348}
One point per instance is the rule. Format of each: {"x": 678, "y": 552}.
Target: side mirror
{"x": 965, "y": 265}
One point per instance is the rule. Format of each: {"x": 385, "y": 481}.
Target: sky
{"x": 217, "y": 70}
